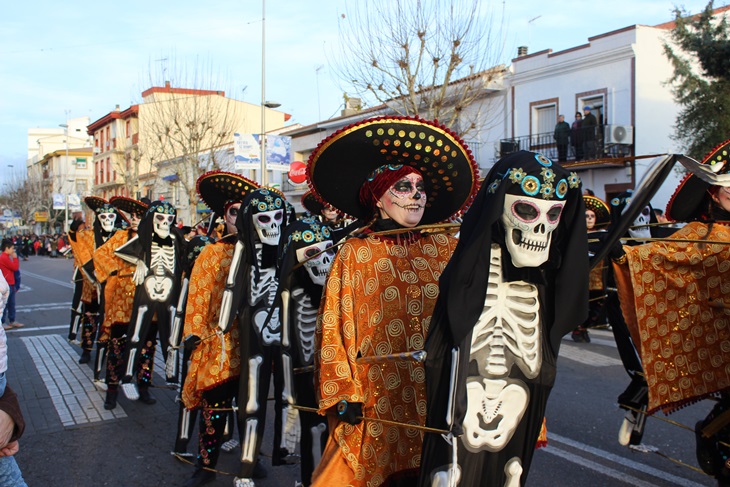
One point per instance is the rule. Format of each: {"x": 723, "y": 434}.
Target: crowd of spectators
{"x": 51, "y": 245}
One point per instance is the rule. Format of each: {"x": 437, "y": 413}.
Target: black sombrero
{"x": 342, "y": 162}
{"x": 600, "y": 208}
{"x": 312, "y": 204}
{"x": 128, "y": 205}
{"x": 216, "y": 188}
{"x": 689, "y": 201}
{"x": 94, "y": 202}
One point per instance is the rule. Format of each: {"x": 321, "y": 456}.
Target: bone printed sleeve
{"x": 216, "y": 359}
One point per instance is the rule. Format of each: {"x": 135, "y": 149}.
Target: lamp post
{"x": 65, "y": 162}
{"x": 264, "y": 104}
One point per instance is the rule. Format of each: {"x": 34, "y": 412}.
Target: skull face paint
{"x": 529, "y": 224}
{"x": 644, "y": 218}
{"x": 317, "y": 259}
{"x": 162, "y": 224}
{"x": 590, "y": 220}
{"x": 231, "y": 216}
{"x": 268, "y": 226}
{"x": 134, "y": 220}
{"x": 405, "y": 201}
{"x": 107, "y": 220}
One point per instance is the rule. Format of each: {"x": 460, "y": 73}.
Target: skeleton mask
{"x": 268, "y": 226}
{"x": 529, "y": 224}
{"x": 107, "y": 220}
{"x": 643, "y": 219}
{"x": 162, "y": 224}
{"x": 317, "y": 267}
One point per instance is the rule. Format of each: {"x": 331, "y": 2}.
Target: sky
{"x": 81, "y": 58}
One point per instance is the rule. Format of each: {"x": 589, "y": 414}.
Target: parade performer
{"x": 502, "y": 312}
{"x": 675, "y": 299}
{"x": 115, "y": 276}
{"x": 394, "y": 173}
{"x": 338, "y": 225}
{"x": 84, "y": 242}
{"x": 211, "y": 381}
{"x": 157, "y": 254}
{"x": 305, "y": 252}
{"x": 249, "y": 295}
{"x": 186, "y": 417}
{"x": 598, "y": 216}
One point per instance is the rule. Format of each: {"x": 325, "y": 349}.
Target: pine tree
{"x": 700, "y": 55}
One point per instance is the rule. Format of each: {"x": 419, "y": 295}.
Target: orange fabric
{"x": 209, "y": 366}
{"x": 595, "y": 278}
{"x": 378, "y": 300}
{"x": 684, "y": 341}
{"x": 542, "y": 440}
{"x": 119, "y": 289}
{"x": 83, "y": 249}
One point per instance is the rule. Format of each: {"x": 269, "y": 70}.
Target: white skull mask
{"x": 268, "y": 226}
{"x": 107, "y": 220}
{"x": 529, "y": 224}
{"x": 643, "y": 219}
{"x": 162, "y": 224}
{"x": 317, "y": 267}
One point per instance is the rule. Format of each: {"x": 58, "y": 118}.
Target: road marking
{"x": 38, "y": 328}
{"x": 48, "y": 279}
{"x": 597, "y": 467}
{"x": 29, "y": 308}
{"x": 69, "y": 383}
{"x": 577, "y": 353}
{"x": 611, "y": 457}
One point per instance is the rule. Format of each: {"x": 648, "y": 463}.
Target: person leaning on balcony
{"x": 589, "y": 126}
{"x": 562, "y": 136}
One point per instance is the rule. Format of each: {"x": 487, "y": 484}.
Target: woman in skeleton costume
{"x": 517, "y": 283}
{"x": 84, "y": 243}
{"x": 597, "y": 219}
{"x": 115, "y": 276}
{"x": 305, "y": 251}
{"x": 394, "y": 173}
{"x": 211, "y": 382}
{"x": 249, "y": 296}
{"x": 186, "y": 417}
{"x": 675, "y": 297}
{"x": 157, "y": 253}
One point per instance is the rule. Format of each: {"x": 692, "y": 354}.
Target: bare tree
{"x": 25, "y": 196}
{"x": 429, "y": 58}
{"x": 186, "y": 122}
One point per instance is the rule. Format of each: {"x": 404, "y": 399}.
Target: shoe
{"x": 85, "y": 357}
{"x": 7, "y": 327}
{"x": 200, "y": 477}
{"x": 15, "y": 324}
{"x": 259, "y": 472}
{"x": 586, "y": 336}
{"x": 577, "y": 337}
{"x": 111, "y": 400}
{"x": 146, "y": 398}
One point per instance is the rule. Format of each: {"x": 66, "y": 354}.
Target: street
{"x": 70, "y": 440}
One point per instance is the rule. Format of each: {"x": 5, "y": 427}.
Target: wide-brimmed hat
{"x": 128, "y": 205}
{"x": 600, "y": 208}
{"x": 312, "y": 204}
{"x": 95, "y": 202}
{"x": 690, "y": 199}
{"x": 216, "y": 188}
{"x": 342, "y": 162}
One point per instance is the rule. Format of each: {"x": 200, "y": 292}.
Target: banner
{"x": 40, "y": 216}
{"x": 59, "y": 201}
{"x": 246, "y": 152}
{"x": 278, "y": 152}
{"x": 74, "y": 202}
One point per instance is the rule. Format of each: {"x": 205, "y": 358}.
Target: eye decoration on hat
{"x": 313, "y": 246}
{"x": 539, "y": 180}
{"x": 343, "y": 162}
{"x": 217, "y": 189}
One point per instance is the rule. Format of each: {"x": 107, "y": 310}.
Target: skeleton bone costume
{"x": 261, "y": 217}
{"x": 107, "y": 221}
{"x": 157, "y": 254}
{"x": 115, "y": 275}
{"x": 675, "y": 298}
{"x": 381, "y": 289}
{"x": 308, "y": 244}
{"x": 517, "y": 282}
{"x": 211, "y": 382}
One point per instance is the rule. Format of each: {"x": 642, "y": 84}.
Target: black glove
{"x": 349, "y": 412}
{"x": 616, "y": 252}
{"x": 191, "y": 342}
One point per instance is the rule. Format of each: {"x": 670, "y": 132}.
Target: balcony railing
{"x": 577, "y": 148}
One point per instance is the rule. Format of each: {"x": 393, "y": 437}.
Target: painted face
{"x": 162, "y": 224}
{"x": 330, "y": 214}
{"x": 107, "y": 221}
{"x": 722, "y": 198}
{"x": 231, "y": 215}
{"x": 590, "y": 219}
{"x": 134, "y": 220}
{"x": 404, "y": 201}
{"x": 529, "y": 224}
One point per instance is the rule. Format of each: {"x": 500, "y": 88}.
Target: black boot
{"x": 200, "y": 477}
{"x": 111, "y": 400}
{"x": 85, "y": 357}
{"x": 145, "y": 396}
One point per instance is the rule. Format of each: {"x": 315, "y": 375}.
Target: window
{"x": 81, "y": 163}
{"x": 545, "y": 119}
{"x": 128, "y": 129}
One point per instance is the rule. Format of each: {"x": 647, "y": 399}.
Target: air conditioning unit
{"x": 619, "y": 134}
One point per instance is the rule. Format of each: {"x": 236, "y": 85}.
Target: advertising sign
{"x": 74, "y": 202}
{"x": 59, "y": 202}
{"x": 278, "y": 152}
{"x": 40, "y": 216}
{"x": 298, "y": 172}
{"x": 246, "y": 151}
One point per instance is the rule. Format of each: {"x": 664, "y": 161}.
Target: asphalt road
{"x": 71, "y": 442}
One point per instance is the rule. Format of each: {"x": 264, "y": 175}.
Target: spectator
{"x": 660, "y": 216}
{"x": 562, "y": 137}
{"x": 589, "y": 133}
{"x": 588, "y": 192}
{"x": 9, "y": 264}
{"x": 576, "y": 136}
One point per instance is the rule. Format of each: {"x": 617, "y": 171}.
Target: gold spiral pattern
{"x": 383, "y": 265}
{"x": 330, "y": 388}
{"x": 390, "y": 293}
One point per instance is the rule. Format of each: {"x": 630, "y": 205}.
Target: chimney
{"x": 116, "y": 109}
{"x": 167, "y": 83}
{"x": 521, "y": 51}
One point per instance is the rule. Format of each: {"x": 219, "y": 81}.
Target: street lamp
{"x": 65, "y": 163}
{"x": 264, "y": 172}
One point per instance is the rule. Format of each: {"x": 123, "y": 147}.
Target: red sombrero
{"x": 342, "y": 162}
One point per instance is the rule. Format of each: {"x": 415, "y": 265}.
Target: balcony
{"x": 612, "y": 144}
